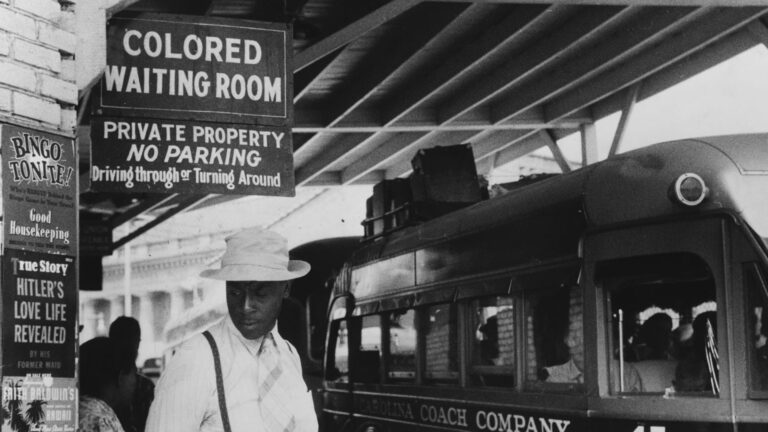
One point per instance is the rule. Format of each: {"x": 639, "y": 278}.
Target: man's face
{"x": 254, "y": 306}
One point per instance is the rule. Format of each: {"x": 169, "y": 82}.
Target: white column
{"x": 177, "y": 303}
{"x": 116, "y": 309}
{"x": 102, "y": 314}
{"x": 89, "y": 320}
{"x": 146, "y": 321}
{"x": 127, "y": 270}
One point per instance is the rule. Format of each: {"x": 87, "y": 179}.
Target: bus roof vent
{"x": 444, "y": 179}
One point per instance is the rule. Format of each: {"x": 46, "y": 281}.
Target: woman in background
{"x": 107, "y": 382}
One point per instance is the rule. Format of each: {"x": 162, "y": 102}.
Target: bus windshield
{"x": 663, "y": 325}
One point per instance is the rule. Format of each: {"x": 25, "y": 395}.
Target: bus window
{"x": 663, "y": 325}
{"x": 367, "y": 366}
{"x": 757, "y": 290}
{"x": 439, "y": 324}
{"x": 338, "y": 369}
{"x": 493, "y": 343}
{"x": 554, "y": 337}
{"x": 401, "y": 362}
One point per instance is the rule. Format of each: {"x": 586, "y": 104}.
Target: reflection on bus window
{"x": 554, "y": 336}
{"x": 369, "y": 357}
{"x": 441, "y": 342}
{"x": 401, "y": 363}
{"x": 757, "y": 290}
{"x": 664, "y": 324}
{"x": 493, "y": 343}
{"x": 339, "y": 370}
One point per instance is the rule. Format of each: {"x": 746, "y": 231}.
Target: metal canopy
{"x": 376, "y": 81}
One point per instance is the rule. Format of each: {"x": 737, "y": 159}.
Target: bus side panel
{"x": 337, "y": 407}
{"x": 403, "y": 413}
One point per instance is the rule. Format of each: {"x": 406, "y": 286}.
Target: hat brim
{"x": 295, "y": 270}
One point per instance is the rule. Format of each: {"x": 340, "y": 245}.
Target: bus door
{"x": 355, "y": 372}
{"x": 661, "y": 301}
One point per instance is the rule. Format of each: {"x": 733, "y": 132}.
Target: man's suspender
{"x": 219, "y": 381}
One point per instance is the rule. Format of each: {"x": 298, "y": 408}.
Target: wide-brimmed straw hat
{"x": 256, "y": 254}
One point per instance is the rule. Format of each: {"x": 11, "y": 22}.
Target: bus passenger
{"x": 570, "y": 371}
{"x": 656, "y": 366}
{"x": 681, "y": 338}
{"x": 698, "y": 371}
{"x": 241, "y": 372}
{"x": 489, "y": 345}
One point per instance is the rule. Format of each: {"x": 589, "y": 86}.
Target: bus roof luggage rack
{"x": 444, "y": 179}
{"x": 387, "y": 208}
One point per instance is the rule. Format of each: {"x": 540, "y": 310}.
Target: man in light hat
{"x": 240, "y": 375}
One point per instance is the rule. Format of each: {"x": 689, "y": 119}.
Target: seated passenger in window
{"x": 681, "y": 338}
{"x": 571, "y": 370}
{"x": 656, "y": 366}
{"x": 698, "y": 371}
{"x": 489, "y": 345}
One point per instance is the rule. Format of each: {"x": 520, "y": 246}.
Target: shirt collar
{"x": 252, "y": 345}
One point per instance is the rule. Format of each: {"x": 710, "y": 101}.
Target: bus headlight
{"x": 689, "y": 190}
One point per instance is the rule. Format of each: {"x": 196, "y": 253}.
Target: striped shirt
{"x": 186, "y": 399}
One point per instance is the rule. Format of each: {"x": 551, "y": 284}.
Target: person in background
{"x": 698, "y": 371}
{"x": 240, "y": 375}
{"x": 126, "y": 332}
{"x": 107, "y": 382}
{"x": 656, "y": 365}
{"x": 571, "y": 371}
{"x": 489, "y": 345}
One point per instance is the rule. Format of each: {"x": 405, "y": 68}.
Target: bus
{"x": 629, "y": 295}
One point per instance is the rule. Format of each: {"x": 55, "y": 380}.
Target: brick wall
{"x": 576, "y": 324}
{"x": 531, "y": 362}
{"x": 506, "y": 322}
{"x": 37, "y": 64}
{"x": 441, "y": 340}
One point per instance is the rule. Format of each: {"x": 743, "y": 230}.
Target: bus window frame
{"x": 447, "y": 379}
{"x": 752, "y": 392}
{"x": 613, "y": 284}
{"x": 665, "y": 235}
{"x": 387, "y": 354}
{"x": 480, "y": 370}
{"x": 330, "y": 355}
{"x": 573, "y": 389}
{"x": 356, "y": 369}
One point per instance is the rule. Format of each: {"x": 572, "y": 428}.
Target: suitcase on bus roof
{"x": 445, "y": 174}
